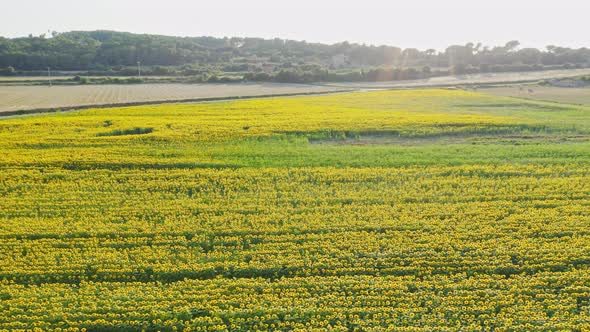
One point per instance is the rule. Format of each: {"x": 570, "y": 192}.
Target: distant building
{"x": 340, "y": 61}
{"x": 268, "y": 67}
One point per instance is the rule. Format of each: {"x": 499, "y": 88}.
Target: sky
{"x": 421, "y": 24}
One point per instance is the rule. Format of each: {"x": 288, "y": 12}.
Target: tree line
{"x": 119, "y": 53}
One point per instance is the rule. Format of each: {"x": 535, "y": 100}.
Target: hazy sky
{"x": 408, "y": 23}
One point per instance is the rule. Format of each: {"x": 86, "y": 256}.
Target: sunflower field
{"x": 418, "y": 210}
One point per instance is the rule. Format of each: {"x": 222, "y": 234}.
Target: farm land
{"x": 23, "y": 95}
{"x": 370, "y": 211}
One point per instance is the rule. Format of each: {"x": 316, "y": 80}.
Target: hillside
{"x": 257, "y": 59}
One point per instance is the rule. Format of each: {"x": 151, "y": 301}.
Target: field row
{"x": 557, "y": 94}
{"x": 362, "y": 237}
{"x": 19, "y": 98}
{"x": 544, "y": 302}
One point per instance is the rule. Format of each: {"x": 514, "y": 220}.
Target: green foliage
{"x": 121, "y": 132}
{"x": 108, "y": 53}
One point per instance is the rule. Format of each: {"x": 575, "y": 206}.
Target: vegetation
{"x": 133, "y": 131}
{"x": 108, "y": 53}
{"x": 384, "y": 211}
